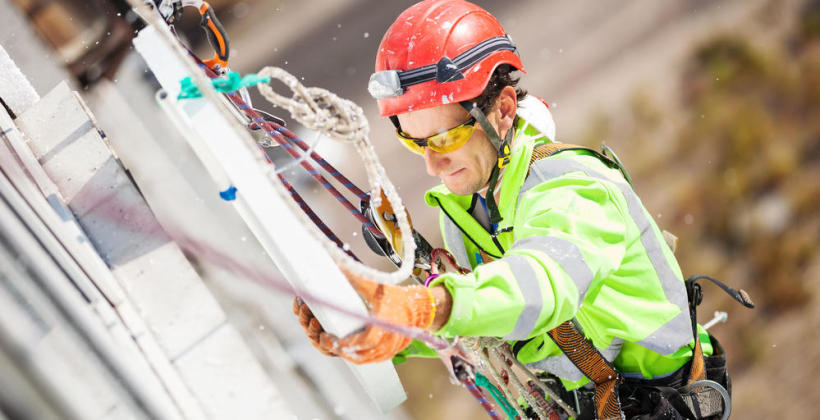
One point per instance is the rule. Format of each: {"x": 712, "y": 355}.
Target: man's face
{"x": 464, "y": 171}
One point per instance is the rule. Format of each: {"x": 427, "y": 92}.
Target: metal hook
{"x": 727, "y": 402}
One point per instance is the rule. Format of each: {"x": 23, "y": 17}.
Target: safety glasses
{"x": 444, "y": 142}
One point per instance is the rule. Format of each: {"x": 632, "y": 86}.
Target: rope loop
{"x": 316, "y": 108}
{"x": 340, "y": 119}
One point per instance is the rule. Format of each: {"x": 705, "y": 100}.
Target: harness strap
{"x": 543, "y": 151}
{"x": 589, "y": 360}
{"x": 695, "y": 295}
{"x": 698, "y": 372}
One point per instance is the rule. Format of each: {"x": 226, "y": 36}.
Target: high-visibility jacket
{"x": 582, "y": 246}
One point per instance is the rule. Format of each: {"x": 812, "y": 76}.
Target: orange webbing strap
{"x": 698, "y": 371}
{"x": 485, "y": 256}
{"x": 592, "y": 364}
{"x": 546, "y": 150}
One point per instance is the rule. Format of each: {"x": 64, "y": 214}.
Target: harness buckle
{"x": 503, "y": 161}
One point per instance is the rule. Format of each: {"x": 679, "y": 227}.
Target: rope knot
{"x": 317, "y": 108}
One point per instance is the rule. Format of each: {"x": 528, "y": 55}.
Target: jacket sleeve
{"x": 569, "y": 235}
{"x": 416, "y": 348}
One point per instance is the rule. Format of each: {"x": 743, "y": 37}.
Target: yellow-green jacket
{"x": 581, "y": 246}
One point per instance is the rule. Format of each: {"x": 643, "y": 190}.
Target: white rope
{"x": 547, "y": 391}
{"x": 343, "y": 120}
{"x": 485, "y": 345}
{"x": 522, "y": 390}
{"x": 505, "y": 388}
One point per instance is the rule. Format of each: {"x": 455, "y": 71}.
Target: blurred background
{"x": 713, "y": 107}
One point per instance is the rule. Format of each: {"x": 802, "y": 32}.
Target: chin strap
{"x": 502, "y": 148}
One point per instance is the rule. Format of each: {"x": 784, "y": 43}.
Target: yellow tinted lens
{"x": 410, "y": 144}
{"x": 451, "y": 140}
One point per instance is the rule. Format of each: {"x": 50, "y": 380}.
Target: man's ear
{"x": 507, "y": 106}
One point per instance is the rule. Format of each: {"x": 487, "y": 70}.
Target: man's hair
{"x": 500, "y": 79}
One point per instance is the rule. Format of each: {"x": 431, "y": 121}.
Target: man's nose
{"x": 434, "y": 161}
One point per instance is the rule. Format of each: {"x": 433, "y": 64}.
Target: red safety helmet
{"x": 438, "y": 52}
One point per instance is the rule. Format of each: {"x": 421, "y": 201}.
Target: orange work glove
{"x": 313, "y": 329}
{"x": 409, "y": 306}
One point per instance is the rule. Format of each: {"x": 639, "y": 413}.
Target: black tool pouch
{"x": 664, "y": 398}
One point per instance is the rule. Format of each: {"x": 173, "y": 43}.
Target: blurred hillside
{"x": 733, "y": 168}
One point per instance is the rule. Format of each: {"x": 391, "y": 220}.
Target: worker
{"x": 553, "y": 235}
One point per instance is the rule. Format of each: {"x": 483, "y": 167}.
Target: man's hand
{"x": 313, "y": 329}
{"x": 408, "y": 306}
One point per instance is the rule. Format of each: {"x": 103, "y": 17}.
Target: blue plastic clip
{"x": 229, "y": 194}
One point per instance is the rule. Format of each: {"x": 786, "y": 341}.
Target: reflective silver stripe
{"x": 678, "y": 331}
{"x": 566, "y": 254}
{"x": 533, "y": 301}
{"x": 562, "y": 367}
{"x": 455, "y": 242}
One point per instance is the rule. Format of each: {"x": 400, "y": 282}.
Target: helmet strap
{"x": 492, "y": 207}
{"x": 502, "y": 148}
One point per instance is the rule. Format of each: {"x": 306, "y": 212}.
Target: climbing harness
{"x": 698, "y": 388}
{"x": 702, "y": 396}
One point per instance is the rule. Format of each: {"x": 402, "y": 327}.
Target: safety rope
{"x": 353, "y": 128}
{"x": 274, "y": 129}
{"x": 502, "y": 377}
{"x": 463, "y": 371}
{"x": 330, "y": 169}
{"x": 519, "y": 387}
{"x": 313, "y": 217}
{"x": 505, "y": 349}
{"x": 342, "y": 120}
{"x": 479, "y": 396}
{"x": 498, "y": 396}
{"x": 284, "y": 137}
